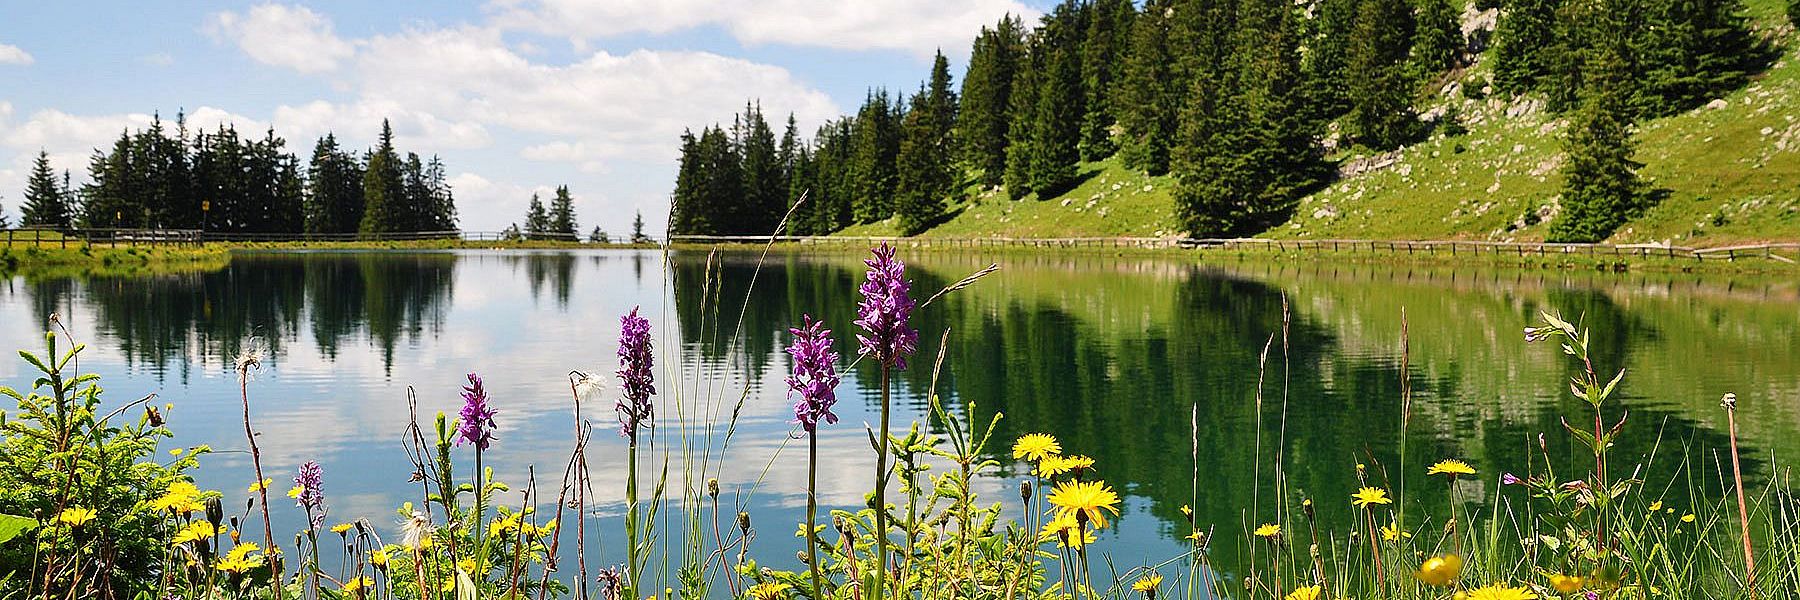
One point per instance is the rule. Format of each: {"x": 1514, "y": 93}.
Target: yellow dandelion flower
{"x": 1566, "y": 584}
{"x": 467, "y": 565}
{"x": 75, "y": 516}
{"x": 342, "y": 528}
{"x": 1147, "y": 584}
{"x": 1090, "y": 498}
{"x": 1440, "y": 570}
{"x": 1687, "y": 518}
{"x": 1079, "y": 463}
{"x": 1051, "y": 466}
{"x": 1368, "y": 495}
{"x": 1268, "y": 530}
{"x": 1451, "y": 467}
{"x": 1501, "y": 592}
{"x": 1064, "y": 531}
{"x": 1197, "y": 536}
{"x": 379, "y": 558}
{"x": 1391, "y": 532}
{"x": 1310, "y": 592}
{"x": 1036, "y": 446}
{"x": 358, "y": 583}
{"x": 260, "y": 486}
{"x": 769, "y": 590}
{"x": 193, "y": 532}
{"x": 176, "y": 451}
{"x": 295, "y": 491}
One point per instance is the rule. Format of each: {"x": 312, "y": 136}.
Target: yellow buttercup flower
{"x": 1090, "y": 498}
{"x": 1036, "y": 446}
{"x": 1687, "y": 518}
{"x": 1148, "y": 584}
{"x": 1268, "y": 530}
{"x": 769, "y": 590}
{"x": 1440, "y": 570}
{"x": 1368, "y": 495}
{"x": 1565, "y": 583}
{"x": 1066, "y": 532}
{"x": 1310, "y": 592}
{"x": 75, "y": 516}
{"x": 1451, "y": 467}
{"x": 193, "y": 532}
{"x": 1655, "y": 506}
{"x": 1501, "y": 592}
{"x": 1390, "y": 533}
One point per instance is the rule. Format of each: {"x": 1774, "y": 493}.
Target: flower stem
{"x": 631, "y": 522}
{"x": 881, "y": 524}
{"x": 812, "y": 512}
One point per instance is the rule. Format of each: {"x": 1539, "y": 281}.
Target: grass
{"x": 1110, "y": 201}
{"x": 78, "y": 260}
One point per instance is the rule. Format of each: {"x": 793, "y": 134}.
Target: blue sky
{"x": 516, "y": 95}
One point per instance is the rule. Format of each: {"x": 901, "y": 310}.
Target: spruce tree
{"x": 1056, "y": 130}
{"x": 1328, "y": 58}
{"x": 1148, "y": 95}
{"x": 1601, "y": 189}
{"x": 383, "y": 187}
{"x": 1207, "y": 196}
{"x": 1437, "y": 41}
{"x": 1524, "y": 44}
{"x": 686, "y": 215}
{"x": 537, "y": 220}
{"x": 986, "y": 103}
{"x": 1021, "y": 127}
{"x": 1381, "y": 114}
{"x": 334, "y": 202}
{"x": 1689, "y": 51}
{"x": 924, "y": 174}
{"x": 877, "y": 145}
{"x": 721, "y": 182}
{"x": 941, "y": 99}
{"x": 637, "y": 229}
{"x": 46, "y": 204}
{"x": 1103, "y": 52}
{"x": 562, "y": 214}
{"x": 764, "y": 196}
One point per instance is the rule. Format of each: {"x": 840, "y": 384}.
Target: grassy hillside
{"x": 1730, "y": 173}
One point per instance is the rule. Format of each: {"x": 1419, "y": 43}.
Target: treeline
{"x": 1241, "y": 100}
{"x": 221, "y": 181}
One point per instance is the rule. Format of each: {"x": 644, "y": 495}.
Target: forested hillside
{"x": 1571, "y": 120}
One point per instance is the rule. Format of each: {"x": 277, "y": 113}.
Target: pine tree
{"x": 1056, "y": 130}
{"x": 986, "y": 108}
{"x": 1687, "y": 52}
{"x": 562, "y": 214}
{"x": 924, "y": 173}
{"x": 334, "y": 202}
{"x": 1208, "y": 192}
{"x": 442, "y": 209}
{"x": 1103, "y": 52}
{"x": 873, "y": 172}
{"x": 537, "y": 220}
{"x": 1525, "y": 39}
{"x": 686, "y": 215}
{"x": 1328, "y": 58}
{"x": 1601, "y": 188}
{"x": 383, "y": 187}
{"x": 941, "y": 100}
{"x": 46, "y": 203}
{"x": 1381, "y": 114}
{"x": 1437, "y": 41}
{"x": 764, "y": 196}
{"x": 1148, "y": 94}
{"x": 637, "y": 229}
{"x": 1021, "y": 130}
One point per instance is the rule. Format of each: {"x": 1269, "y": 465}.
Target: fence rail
{"x": 1785, "y": 252}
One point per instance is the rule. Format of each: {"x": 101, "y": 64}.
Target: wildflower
{"x": 1268, "y": 530}
{"x": 357, "y": 583}
{"x": 1510, "y": 479}
{"x": 240, "y": 559}
{"x": 1565, "y": 583}
{"x": 1368, "y": 495}
{"x": 1147, "y": 585}
{"x": 1187, "y": 511}
{"x": 310, "y": 482}
{"x": 342, "y": 528}
{"x": 1086, "y": 498}
{"x": 637, "y": 382}
{"x": 379, "y": 557}
{"x": 1036, "y": 447}
{"x": 1501, "y": 592}
{"x": 1051, "y": 466}
{"x": 1451, "y": 467}
{"x": 885, "y": 308}
{"x": 1687, "y": 518}
{"x": 193, "y": 532}
{"x": 260, "y": 485}
{"x": 1390, "y": 532}
{"x": 1655, "y": 506}
{"x": 75, "y": 516}
{"x": 181, "y": 498}
{"x": 587, "y": 386}
{"x": 415, "y": 532}
{"x": 1077, "y": 464}
{"x": 815, "y": 375}
{"x": 1067, "y": 532}
{"x": 249, "y": 359}
{"x": 1440, "y": 570}
{"x": 475, "y": 425}
{"x": 1310, "y": 592}
{"x": 769, "y": 590}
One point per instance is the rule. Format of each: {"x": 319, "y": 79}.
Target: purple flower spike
{"x": 476, "y": 424}
{"x": 1509, "y": 479}
{"x": 885, "y": 309}
{"x": 815, "y": 375}
{"x": 311, "y": 482}
{"x": 636, "y": 378}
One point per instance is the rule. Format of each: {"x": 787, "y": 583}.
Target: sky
{"x": 517, "y": 96}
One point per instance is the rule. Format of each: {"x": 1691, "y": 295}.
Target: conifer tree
{"x": 1103, "y": 52}
{"x": 383, "y": 187}
{"x": 1687, "y": 52}
{"x": 1381, "y": 114}
{"x": 1056, "y": 132}
{"x": 1437, "y": 41}
{"x": 1525, "y": 39}
{"x": 334, "y": 202}
{"x": 1328, "y": 58}
{"x": 1148, "y": 94}
{"x": 537, "y": 220}
{"x": 637, "y": 229}
{"x": 562, "y": 214}
{"x": 764, "y": 196}
{"x": 46, "y": 204}
{"x": 924, "y": 173}
{"x": 941, "y": 100}
{"x": 986, "y": 103}
{"x": 1601, "y": 188}
{"x": 686, "y": 215}
{"x": 877, "y": 144}
{"x": 1021, "y": 130}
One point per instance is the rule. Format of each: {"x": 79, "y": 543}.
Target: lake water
{"x": 1116, "y": 356}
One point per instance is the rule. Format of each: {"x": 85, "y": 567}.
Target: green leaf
{"x": 13, "y": 525}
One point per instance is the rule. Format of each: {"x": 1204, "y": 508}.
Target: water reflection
{"x": 1190, "y": 384}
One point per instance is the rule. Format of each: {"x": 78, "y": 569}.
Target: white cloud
{"x": 158, "y": 59}
{"x": 14, "y": 55}
{"x": 360, "y": 122}
{"x": 286, "y": 36}
{"x": 917, "y": 26}
{"x": 70, "y": 139}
